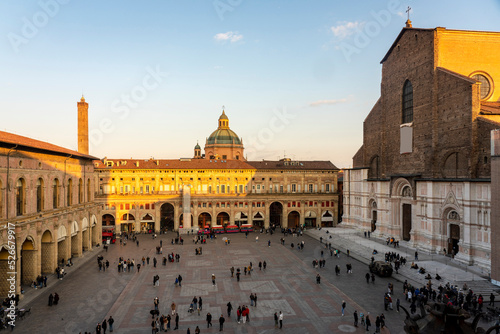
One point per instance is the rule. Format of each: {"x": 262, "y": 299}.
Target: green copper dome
{"x": 223, "y": 136}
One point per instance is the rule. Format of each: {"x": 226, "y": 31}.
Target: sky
{"x": 296, "y": 78}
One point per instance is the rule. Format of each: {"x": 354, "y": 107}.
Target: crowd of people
{"x": 168, "y": 320}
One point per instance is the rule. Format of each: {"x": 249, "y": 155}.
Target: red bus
{"x": 108, "y": 237}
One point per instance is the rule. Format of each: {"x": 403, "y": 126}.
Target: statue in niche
{"x": 407, "y": 192}
{"x": 453, "y": 215}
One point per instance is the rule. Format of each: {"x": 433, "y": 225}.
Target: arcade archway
{"x": 128, "y": 223}
{"x": 167, "y": 217}
{"x": 310, "y": 219}
{"x": 276, "y": 214}
{"x": 223, "y": 218}
{"x": 258, "y": 220}
{"x": 28, "y": 262}
{"x": 327, "y": 219}
{"x": 293, "y": 219}
{"x": 4, "y": 268}
{"x": 48, "y": 253}
{"x": 204, "y": 219}
{"x": 240, "y": 218}
{"x": 63, "y": 251}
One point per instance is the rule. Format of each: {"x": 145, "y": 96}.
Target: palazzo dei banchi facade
{"x": 55, "y": 202}
{"x": 217, "y": 188}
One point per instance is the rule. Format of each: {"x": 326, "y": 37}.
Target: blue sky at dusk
{"x": 295, "y": 77}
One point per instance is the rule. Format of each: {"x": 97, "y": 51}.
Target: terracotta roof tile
{"x": 212, "y": 164}
{"x": 13, "y": 139}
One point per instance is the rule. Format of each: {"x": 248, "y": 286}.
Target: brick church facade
{"x": 423, "y": 171}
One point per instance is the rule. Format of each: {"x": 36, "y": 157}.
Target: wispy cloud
{"x": 327, "y": 102}
{"x": 230, "y": 36}
{"x": 345, "y": 29}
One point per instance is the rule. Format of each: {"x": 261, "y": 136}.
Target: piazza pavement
{"x": 87, "y": 296}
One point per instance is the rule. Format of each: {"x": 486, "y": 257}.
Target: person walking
{"x": 176, "y": 321}
{"x": 416, "y": 256}
{"x": 318, "y": 279}
{"x": 492, "y": 299}
{"x": 213, "y": 279}
{"x": 221, "y": 322}
{"x": 355, "y": 315}
{"x": 229, "y": 309}
{"x": 104, "y": 326}
{"x": 343, "y": 307}
{"x": 275, "y": 320}
{"x": 154, "y": 262}
{"x": 111, "y": 321}
{"x": 368, "y": 322}
{"x": 232, "y": 271}
{"x": 180, "y": 280}
{"x": 281, "y": 320}
{"x": 373, "y": 278}
{"x": 264, "y": 265}
{"x": 200, "y": 304}
{"x": 51, "y": 299}
{"x": 255, "y": 299}
{"x": 209, "y": 320}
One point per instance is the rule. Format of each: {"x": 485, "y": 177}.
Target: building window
{"x": 80, "y": 191}
{"x": 147, "y": 189}
{"x": 69, "y": 195}
{"x": 327, "y": 186}
{"x": 89, "y": 194}
{"x": 241, "y": 188}
{"x": 223, "y": 189}
{"x": 281, "y": 189}
{"x": 311, "y": 188}
{"x": 55, "y": 194}
{"x": 485, "y": 85}
{"x": 39, "y": 195}
{"x": 407, "y": 102}
{"x": 20, "y": 197}
{"x": 294, "y": 187}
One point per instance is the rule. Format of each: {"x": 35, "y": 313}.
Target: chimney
{"x": 83, "y": 126}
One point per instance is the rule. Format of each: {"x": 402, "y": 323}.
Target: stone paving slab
{"x": 288, "y": 284}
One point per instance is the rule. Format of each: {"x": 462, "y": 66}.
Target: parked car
{"x": 381, "y": 268}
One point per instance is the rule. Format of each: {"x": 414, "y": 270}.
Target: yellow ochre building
{"x": 217, "y": 188}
